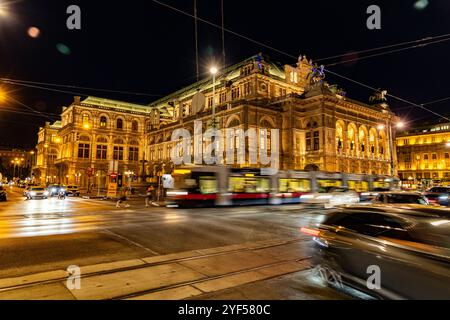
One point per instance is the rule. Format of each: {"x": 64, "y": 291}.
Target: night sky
{"x": 139, "y": 46}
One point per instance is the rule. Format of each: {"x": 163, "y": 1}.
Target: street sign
{"x": 112, "y": 190}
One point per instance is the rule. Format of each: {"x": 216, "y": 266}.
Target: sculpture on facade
{"x": 379, "y": 96}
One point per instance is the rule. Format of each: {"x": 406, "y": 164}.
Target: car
{"x": 73, "y": 191}
{"x": 331, "y": 196}
{"x": 439, "y": 195}
{"x": 386, "y": 252}
{"x": 55, "y": 189}
{"x": 37, "y": 193}
{"x": 401, "y": 197}
{"x": 369, "y": 196}
{"x": 3, "y": 195}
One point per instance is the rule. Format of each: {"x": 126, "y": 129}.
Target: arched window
{"x": 148, "y": 126}
{"x": 234, "y": 123}
{"x": 85, "y": 118}
{"x": 118, "y": 141}
{"x": 119, "y": 124}
{"x": 133, "y": 143}
{"x": 103, "y": 122}
{"x": 102, "y": 140}
{"x": 135, "y": 126}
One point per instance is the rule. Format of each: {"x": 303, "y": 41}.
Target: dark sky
{"x": 139, "y": 46}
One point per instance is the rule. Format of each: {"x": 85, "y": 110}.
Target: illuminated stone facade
{"x": 424, "y": 155}
{"x": 94, "y": 138}
{"x": 320, "y": 128}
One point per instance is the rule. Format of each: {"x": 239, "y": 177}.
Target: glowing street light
{"x": 400, "y": 125}
{"x": 381, "y": 127}
{"x": 213, "y": 70}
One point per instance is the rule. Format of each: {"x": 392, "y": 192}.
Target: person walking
{"x": 123, "y": 199}
{"x": 150, "y": 198}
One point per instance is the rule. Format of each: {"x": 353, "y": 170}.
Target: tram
{"x": 208, "y": 186}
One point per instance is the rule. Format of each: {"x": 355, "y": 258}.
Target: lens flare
{"x": 34, "y": 32}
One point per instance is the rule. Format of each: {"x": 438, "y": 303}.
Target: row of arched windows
{"x": 360, "y": 140}
{"x": 104, "y": 123}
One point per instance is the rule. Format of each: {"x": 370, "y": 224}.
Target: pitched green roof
{"x": 115, "y": 104}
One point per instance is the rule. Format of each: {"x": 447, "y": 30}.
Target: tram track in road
{"x": 171, "y": 259}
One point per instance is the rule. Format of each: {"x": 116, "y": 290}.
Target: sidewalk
{"x": 168, "y": 277}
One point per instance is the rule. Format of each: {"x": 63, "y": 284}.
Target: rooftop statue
{"x": 379, "y": 96}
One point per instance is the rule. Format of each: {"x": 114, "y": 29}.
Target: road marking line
{"x": 132, "y": 242}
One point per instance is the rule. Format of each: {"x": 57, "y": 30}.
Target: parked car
{"x": 72, "y": 191}
{"x": 3, "y": 195}
{"x": 37, "y": 193}
{"x": 331, "y": 197}
{"x": 409, "y": 248}
{"x": 393, "y": 197}
{"x": 439, "y": 195}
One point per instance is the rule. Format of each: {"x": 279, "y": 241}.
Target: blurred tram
{"x": 208, "y": 186}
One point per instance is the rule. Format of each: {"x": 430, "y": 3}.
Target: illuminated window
{"x": 103, "y": 122}
{"x": 118, "y": 153}
{"x": 102, "y": 152}
{"x": 210, "y": 102}
{"x": 247, "y": 89}
{"x": 133, "y": 154}
{"x": 135, "y": 126}
{"x": 223, "y": 97}
{"x": 85, "y": 119}
{"x": 316, "y": 140}
{"x": 83, "y": 150}
{"x": 235, "y": 93}
{"x": 119, "y": 124}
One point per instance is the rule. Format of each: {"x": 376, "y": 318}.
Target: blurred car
{"x": 369, "y": 196}
{"x": 26, "y": 190}
{"x": 400, "y": 198}
{"x": 3, "y": 195}
{"x": 54, "y": 189}
{"x": 410, "y": 248}
{"x": 331, "y": 197}
{"x": 37, "y": 193}
{"x": 439, "y": 195}
{"x": 72, "y": 191}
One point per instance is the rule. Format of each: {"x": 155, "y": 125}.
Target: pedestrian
{"x": 123, "y": 199}
{"x": 150, "y": 196}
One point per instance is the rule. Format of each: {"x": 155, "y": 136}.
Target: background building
{"x": 15, "y": 163}
{"x": 424, "y": 155}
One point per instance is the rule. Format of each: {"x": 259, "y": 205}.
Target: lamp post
{"x": 214, "y": 71}
{"x": 90, "y": 171}
{"x": 398, "y": 125}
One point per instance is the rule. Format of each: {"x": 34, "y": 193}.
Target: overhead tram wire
{"x": 385, "y": 47}
{"x": 390, "y": 95}
{"x": 23, "y": 112}
{"x": 386, "y": 52}
{"x": 224, "y": 29}
{"x": 79, "y": 87}
{"x": 31, "y": 109}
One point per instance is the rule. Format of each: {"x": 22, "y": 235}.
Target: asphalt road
{"x": 43, "y": 235}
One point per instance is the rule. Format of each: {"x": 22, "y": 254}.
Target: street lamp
{"x": 213, "y": 70}
{"x": 90, "y": 171}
